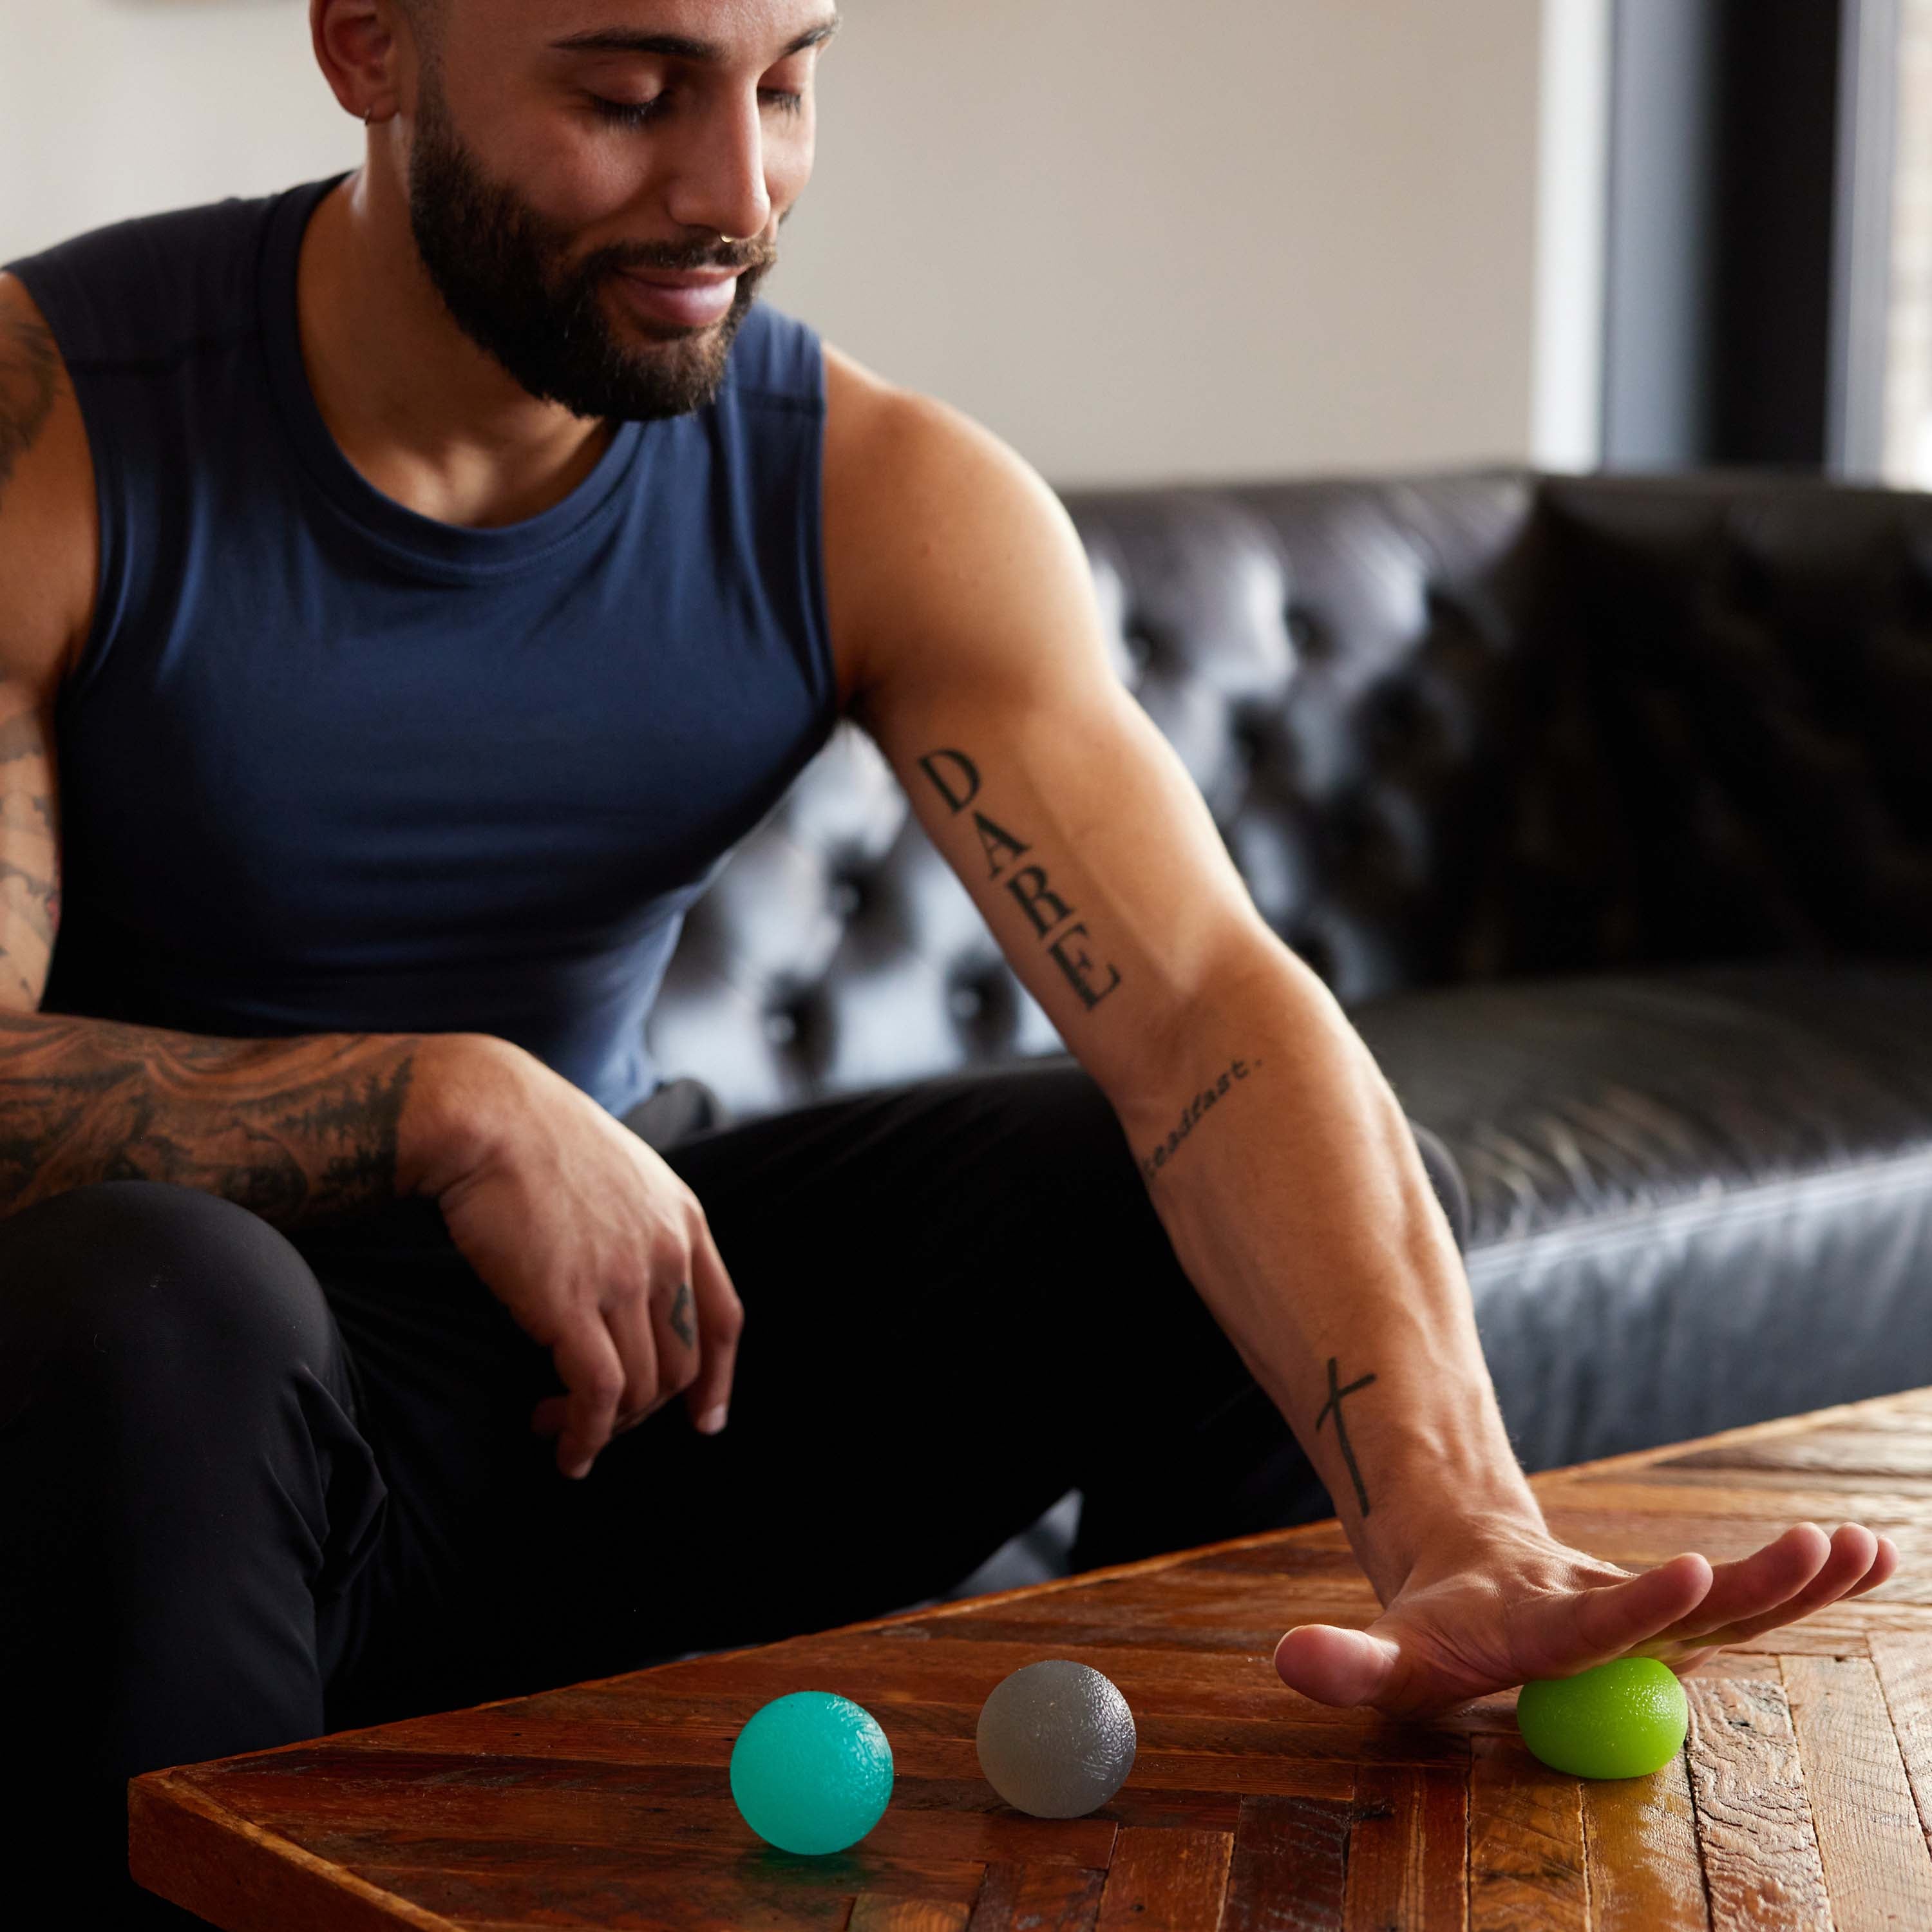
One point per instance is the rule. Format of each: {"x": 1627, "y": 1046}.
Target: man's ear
{"x": 361, "y": 46}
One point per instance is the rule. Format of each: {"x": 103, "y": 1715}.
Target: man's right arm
{"x": 299, "y": 1130}
{"x": 593, "y": 1244}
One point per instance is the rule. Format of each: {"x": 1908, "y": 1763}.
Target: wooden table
{"x": 1801, "y": 1800}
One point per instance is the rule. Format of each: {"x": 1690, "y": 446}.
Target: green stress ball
{"x": 811, "y": 1772}
{"x": 1624, "y": 1719}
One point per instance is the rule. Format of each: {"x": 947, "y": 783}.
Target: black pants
{"x": 251, "y": 1489}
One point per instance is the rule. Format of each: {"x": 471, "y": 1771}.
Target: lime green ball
{"x": 1624, "y": 1719}
{"x": 811, "y": 1772}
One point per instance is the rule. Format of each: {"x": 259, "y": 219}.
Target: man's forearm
{"x": 300, "y": 1130}
{"x": 1286, "y": 1175}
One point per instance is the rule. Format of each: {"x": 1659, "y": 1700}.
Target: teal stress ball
{"x": 811, "y": 1772}
{"x": 1624, "y": 1719}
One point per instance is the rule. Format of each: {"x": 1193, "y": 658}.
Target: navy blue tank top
{"x": 328, "y": 765}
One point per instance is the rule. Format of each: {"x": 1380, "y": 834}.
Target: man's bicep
{"x": 1067, "y": 814}
{"x": 48, "y": 538}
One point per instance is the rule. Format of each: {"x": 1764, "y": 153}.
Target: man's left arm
{"x": 1277, "y": 1157}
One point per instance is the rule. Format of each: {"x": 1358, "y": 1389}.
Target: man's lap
{"x": 958, "y": 1304}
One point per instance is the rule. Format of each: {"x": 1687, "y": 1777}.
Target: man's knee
{"x": 142, "y": 1288}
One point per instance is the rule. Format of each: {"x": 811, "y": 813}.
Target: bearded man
{"x": 411, "y": 587}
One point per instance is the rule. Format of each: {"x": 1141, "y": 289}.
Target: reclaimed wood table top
{"x": 1802, "y": 1799}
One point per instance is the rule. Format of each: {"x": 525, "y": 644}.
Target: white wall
{"x": 110, "y": 108}
{"x": 1140, "y": 239}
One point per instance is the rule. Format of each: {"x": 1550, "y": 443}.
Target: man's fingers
{"x": 1570, "y": 1632}
{"x": 1853, "y": 1550}
{"x": 1335, "y": 1666}
{"x": 1772, "y": 1575}
{"x": 588, "y": 1364}
{"x": 635, "y": 1336}
{"x": 1884, "y": 1565}
{"x": 1857, "y": 1561}
{"x": 720, "y": 1318}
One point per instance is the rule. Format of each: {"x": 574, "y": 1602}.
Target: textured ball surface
{"x": 811, "y": 1772}
{"x": 1056, "y": 1739}
{"x": 1624, "y": 1719}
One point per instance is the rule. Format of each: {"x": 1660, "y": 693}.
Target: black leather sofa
{"x": 1605, "y": 805}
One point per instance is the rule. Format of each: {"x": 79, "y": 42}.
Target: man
{"x": 408, "y": 589}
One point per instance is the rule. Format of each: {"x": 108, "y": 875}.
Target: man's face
{"x": 595, "y": 186}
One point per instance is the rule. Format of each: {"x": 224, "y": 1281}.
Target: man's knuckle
{"x": 604, "y": 1387}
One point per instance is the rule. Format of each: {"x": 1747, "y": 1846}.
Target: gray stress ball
{"x": 1056, "y": 1739}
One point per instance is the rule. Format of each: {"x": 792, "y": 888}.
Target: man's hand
{"x": 578, "y": 1228}
{"x": 1525, "y": 1606}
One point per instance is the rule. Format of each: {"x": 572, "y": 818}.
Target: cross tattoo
{"x": 1334, "y": 1402}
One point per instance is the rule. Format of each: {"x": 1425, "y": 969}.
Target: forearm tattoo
{"x": 1333, "y": 1406}
{"x": 300, "y": 1130}
{"x": 1210, "y": 1096}
{"x": 29, "y": 854}
{"x": 1062, "y": 934}
{"x": 29, "y": 381}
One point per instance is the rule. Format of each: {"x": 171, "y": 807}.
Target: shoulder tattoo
{"x": 29, "y": 381}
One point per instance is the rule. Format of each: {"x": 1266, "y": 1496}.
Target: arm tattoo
{"x": 29, "y": 852}
{"x": 300, "y": 1130}
{"x": 1333, "y": 1404}
{"x": 29, "y": 381}
{"x": 1210, "y": 1096}
{"x": 1057, "y": 926}
{"x": 680, "y": 1317}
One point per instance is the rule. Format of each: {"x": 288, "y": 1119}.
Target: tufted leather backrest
{"x": 1452, "y": 727}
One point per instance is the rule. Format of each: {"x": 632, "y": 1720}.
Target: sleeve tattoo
{"x": 299, "y": 1130}
{"x": 29, "y": 381}
{"x": 29, "y": 854}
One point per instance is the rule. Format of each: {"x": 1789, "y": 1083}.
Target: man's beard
{"x": 504, "y": 271}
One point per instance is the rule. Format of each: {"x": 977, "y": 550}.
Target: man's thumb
{"x": 1335, "y": 1666}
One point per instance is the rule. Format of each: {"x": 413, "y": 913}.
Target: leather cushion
{"x": 1698, "y": 1197}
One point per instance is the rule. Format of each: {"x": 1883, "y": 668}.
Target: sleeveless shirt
{"x": 327, "y": 765}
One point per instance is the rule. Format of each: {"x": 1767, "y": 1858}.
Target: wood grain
{"x": 1408, "y": 1851}
{"x": 1903, "y": 1663}
{"x": 872, "y": 1913}
{"x": 1287, "y": 1871}
{"x": 1640, "y": 1853}
{"x": 1803, "y": 1800}
{"x": 1754, "y": 1826}
{"x": 1525, "y": 1842}
{"x": 1876, "y": 1867}
{"x": 1173, "y": 1880}
{"x": 1038, "y": 1898}
{"x": 233, "y": 1873}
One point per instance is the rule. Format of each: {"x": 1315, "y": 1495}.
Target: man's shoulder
{"x": 932, "y": 522}
{"x": 903, "y": 454}
{"x": 150, "y": 287}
